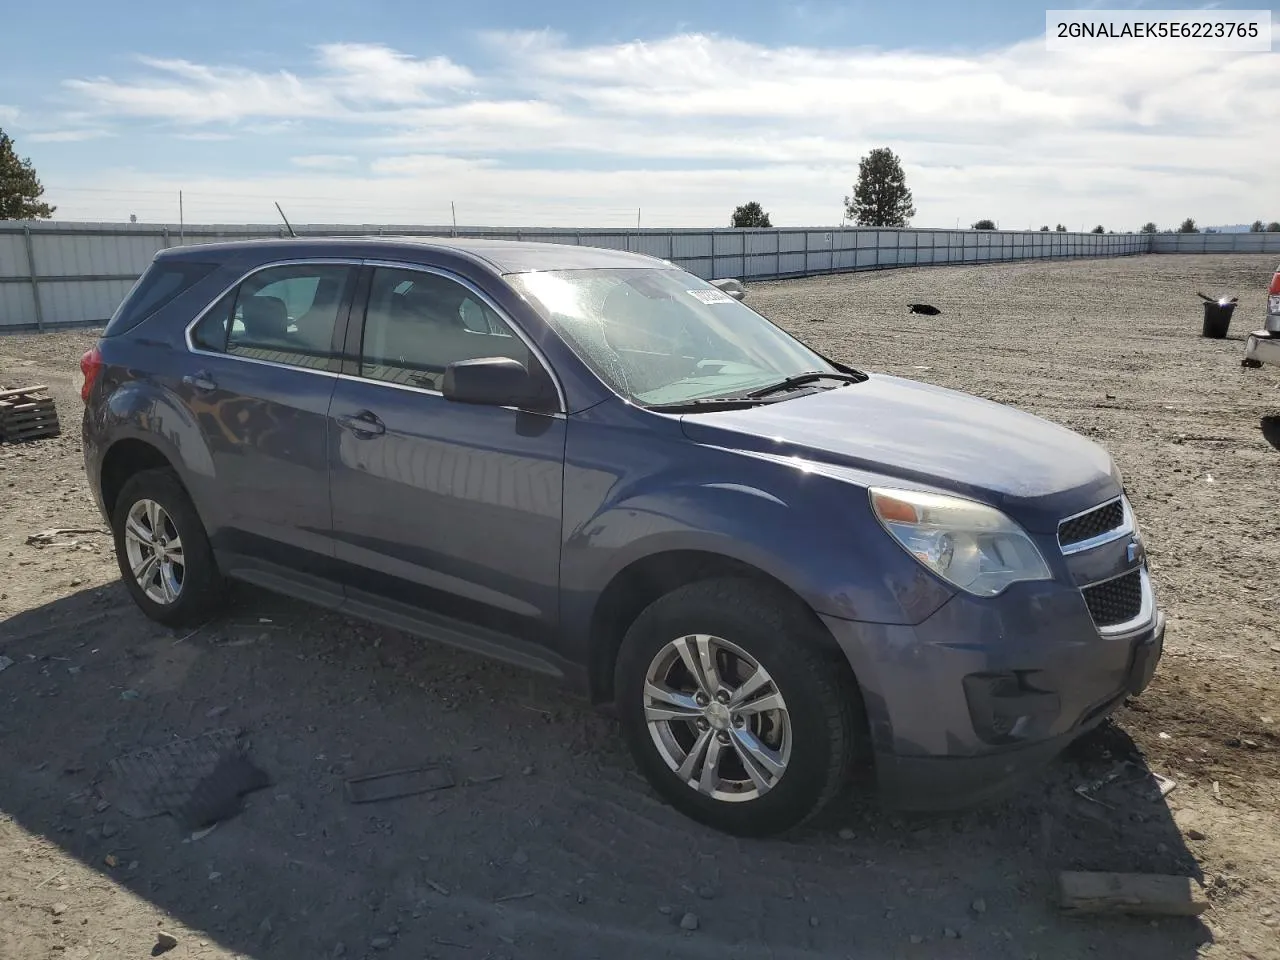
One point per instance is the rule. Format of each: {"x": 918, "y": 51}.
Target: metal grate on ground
{"x": 162, "y": 779}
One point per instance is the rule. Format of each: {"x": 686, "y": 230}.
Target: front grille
{"x": 1115, "y": 601}
{"x": 1107, "y": 517}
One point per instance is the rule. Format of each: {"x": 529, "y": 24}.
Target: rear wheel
{"x": 163, "y": 551}
{"x": 733, "y": 709}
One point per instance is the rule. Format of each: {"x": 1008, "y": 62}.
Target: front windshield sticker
{"x": 711, "y": 296}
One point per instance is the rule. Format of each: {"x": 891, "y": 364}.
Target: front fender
{"x": 633, "y": 493}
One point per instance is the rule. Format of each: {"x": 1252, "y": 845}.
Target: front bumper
{"x": 966, "y": 705}
{"x": 1262, "y": 346}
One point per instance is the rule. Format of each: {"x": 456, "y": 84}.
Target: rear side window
{"x": 161, "y": 282}
{"x": 283, "y": 314}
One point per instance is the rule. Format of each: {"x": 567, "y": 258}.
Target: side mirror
{"x": 492, "y": 381}
{"x": 733, "y": 288}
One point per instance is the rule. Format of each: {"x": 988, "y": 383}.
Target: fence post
{"x": 35, "y": 283}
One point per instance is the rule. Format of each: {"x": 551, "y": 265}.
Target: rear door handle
{"x": 363, "y": 424}
{"x": 201, "y": 381}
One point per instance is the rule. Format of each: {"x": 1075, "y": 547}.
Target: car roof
{"x": 501, "y": 256}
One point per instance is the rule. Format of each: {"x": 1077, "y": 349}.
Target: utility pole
{"x": 454, "y": 211}
{"x": 182, "y": 229}
{"x": 637, "y": 218}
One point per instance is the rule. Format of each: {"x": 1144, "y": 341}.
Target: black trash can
{"x": 1217, "y": 318}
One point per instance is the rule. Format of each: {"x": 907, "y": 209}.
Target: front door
{"x": 258, "y": 380}
{"x": 444, "y": 509}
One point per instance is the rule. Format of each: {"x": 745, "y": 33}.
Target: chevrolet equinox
{"x": 778, "y": 568}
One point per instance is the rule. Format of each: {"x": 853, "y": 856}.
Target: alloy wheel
{"x": 154, "y": 550}
{"x": 717, "y": 718}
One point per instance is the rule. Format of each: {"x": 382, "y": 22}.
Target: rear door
{"x": 261, "y": 372}
{"x": 444, "y": 509}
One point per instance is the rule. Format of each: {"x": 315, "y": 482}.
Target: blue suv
{"x": 781, "y": 571}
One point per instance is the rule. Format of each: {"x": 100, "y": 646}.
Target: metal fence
{"x": 1215, "y": 243}
{"x": 54, "y": 273}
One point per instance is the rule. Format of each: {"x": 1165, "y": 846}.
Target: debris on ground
{"x": 164, "y": 943}
{"x": 27, "y": 413}
{"x": 1148, "y": 783}
{"x": 399, "y": 783}
{"x": 50, "y": 537}
{"x": 5, "y": 663}
{"x": 1131, "y": 893}
{"x": 925, "y": 309}
{"x": 198, "y": 781}
{"x": 689, "y": 921}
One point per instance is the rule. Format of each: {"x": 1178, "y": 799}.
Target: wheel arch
{"x": 124, "y": 459}
{"x": 646, "y": 579}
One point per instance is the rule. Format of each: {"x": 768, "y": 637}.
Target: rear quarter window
{"x": 162, "y": 281}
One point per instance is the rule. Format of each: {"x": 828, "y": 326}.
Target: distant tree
{"x": 133, "y": 218}
{"x": 985, "y": 225}
{"x": 20, "y": 188}
{"x": 1098, "y": 229}
{"x": 1150, "y": 227}
{"x": 1256, "y": 227}
{"x": 750, "y": 215}
{"x": 1060, "y": 229}
{"x": 1188, "y": 226}
{"x": 1273, "y": 227}
{"x": 1045, "y": 228}
{"x": 880, "y": 197}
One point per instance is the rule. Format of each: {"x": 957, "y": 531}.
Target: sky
{"x": 584, "y": 113}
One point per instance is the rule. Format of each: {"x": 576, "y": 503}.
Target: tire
{"x": 816, "y": 733}
{"x": 190, "y": 568}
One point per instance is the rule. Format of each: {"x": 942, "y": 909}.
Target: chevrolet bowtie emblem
{"x": 1135, "y": 552}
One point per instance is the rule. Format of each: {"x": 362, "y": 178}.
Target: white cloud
{"x": 9, "y": 114}
{"x": 379, "y": 74}
{"x": 323, "y": 161}
{"x": 690, "y": 125}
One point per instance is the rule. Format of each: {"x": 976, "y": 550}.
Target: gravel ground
{"x": 551, "y": 845}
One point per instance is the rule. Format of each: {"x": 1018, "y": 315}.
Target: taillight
{"x": 90, "y": 366}
{"x": 1275, "y": 285}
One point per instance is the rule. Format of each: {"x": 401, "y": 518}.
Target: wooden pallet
{"x": 27, "y": 413}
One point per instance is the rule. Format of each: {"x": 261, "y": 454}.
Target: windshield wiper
{"x": 800, "y": 379}
{"x": 704, "y": 404}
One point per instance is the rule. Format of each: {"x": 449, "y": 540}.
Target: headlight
{"x": 974, "y": 546}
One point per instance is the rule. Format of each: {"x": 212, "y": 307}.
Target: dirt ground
{"x": 551, "y": 845}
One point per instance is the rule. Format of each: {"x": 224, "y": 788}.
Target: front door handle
{"x": 201, "y": 381}
{"x": 363, "y": 424}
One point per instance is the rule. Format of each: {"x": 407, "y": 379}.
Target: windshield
{"x": 663, "y": 336}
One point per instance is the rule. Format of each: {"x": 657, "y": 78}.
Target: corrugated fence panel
{"x": 17, "y": 308}
{"x": 685, "y": 245}
{"x": 88, "y": 300}
{"x": 97, "y": 262}
{"x": 655, "y": 245}
{"x": 13, "y": 255}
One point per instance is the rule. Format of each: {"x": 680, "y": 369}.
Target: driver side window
{"x": 417, "y": 323}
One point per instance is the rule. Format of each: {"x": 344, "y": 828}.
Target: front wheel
{"x": 733, "y": 709}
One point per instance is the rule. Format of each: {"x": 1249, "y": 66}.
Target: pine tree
{"x": 20, "y": 188}
{"x": 880, "y": 197}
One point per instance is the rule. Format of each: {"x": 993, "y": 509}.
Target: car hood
{"x": 1034, "y": 470}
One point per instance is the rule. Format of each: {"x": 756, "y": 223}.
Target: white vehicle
{"x": 1263, "y": 346}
